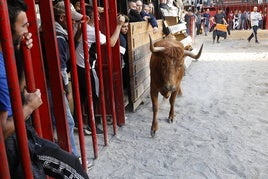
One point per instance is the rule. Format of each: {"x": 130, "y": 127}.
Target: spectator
{"x": 261, "y": 21}
{"x": 206, "y": 17}
{"x": 243, "y": 20}
{"x": 151, "y": 8}
{"x": 163, "y": 4}
{"x": 147, "y": 16}
{"x": 198, "y": 21}
{"x": 230, "y": 20}
{"x": 92, "y": 46}
{"x": 187, "y": 18}
{"x": 133, "y": 14}
{"x": 47, "y": 158}
{"x": 124, "y": 54}
{"x": 236, "y": 20}
{"x": 62, "y": 38}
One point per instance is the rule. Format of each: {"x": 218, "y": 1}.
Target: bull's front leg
{"x": 172, "y": 103}
{"x": 154, "y": 98}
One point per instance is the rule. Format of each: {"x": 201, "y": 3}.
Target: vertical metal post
{"x": 110, "y": 66}
{"x": 117, "y": 71}
{"x": 4, "y": 170}
{"x": 55, "y": 80}
{"x": 30, "y": 82}
{"x": 100, "y": 71}
{"x": 39, "y": 72}
{"x": 266, "y": 20}
{"x": 88, "y": 82}
{"x": 13, "y": 84}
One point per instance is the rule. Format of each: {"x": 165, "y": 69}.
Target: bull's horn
{"x": 190, "y": 54}
{"x": 155, "y": 49}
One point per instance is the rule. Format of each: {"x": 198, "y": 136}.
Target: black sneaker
{"x": 98, "y": 131}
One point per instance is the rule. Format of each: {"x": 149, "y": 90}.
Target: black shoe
{"x": 257, "y": 42}
{"x": 218, "y": 41}
{"x": 98, "y": 131}
{"x": 248, "y": 40}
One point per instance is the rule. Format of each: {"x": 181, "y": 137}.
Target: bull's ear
{"x": 155, "y": 49}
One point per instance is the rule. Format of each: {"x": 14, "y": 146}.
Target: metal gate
{"x": 109, "y": 71}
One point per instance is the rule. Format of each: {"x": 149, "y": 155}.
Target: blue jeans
{"x": 254, "y": 33}
{"x": 71, "y": 127}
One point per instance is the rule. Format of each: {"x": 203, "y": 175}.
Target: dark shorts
{"x": 219, "y": 33}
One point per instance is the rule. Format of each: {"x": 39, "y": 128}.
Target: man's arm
{"x": 33, "y": 101}
{"x": 115, "y": 36}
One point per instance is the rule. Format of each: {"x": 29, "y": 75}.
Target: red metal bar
{"x": 13, "y": 83}
{"x": 39, "y": 72}
{"x": 31, "y": 84}
{"x": 88, "y": 83}
{"x": 4, "y": 170}
{"x": 266, "y": 20}
{"x": 100, "y": 72}
{"x": 55, "y": 81}
{"x": 110, "y": 66}
{"x": 117, "y": 70}
{"x": 74, "y": 73}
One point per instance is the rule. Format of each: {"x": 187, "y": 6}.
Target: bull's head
{"x": 171, "y": 64}
{"x": 186, "y": 52}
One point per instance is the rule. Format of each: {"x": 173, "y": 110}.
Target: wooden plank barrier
{"x": 139, "y": 59}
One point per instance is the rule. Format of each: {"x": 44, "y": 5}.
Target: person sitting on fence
{"x": 47, "y": 158}
{"x": 151, "y": 8}
{"x": 93, "y": 57}
{"x": 144, "y": 9}
{"x": 133, "y": 14}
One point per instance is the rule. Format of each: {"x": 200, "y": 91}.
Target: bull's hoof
{"x": 170, "y": 121}
{"x": 153, "y": 133}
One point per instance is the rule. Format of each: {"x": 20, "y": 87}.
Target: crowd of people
{"x": 236, "y": 20}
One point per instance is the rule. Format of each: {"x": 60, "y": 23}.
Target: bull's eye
{"x": 163, "y": 64}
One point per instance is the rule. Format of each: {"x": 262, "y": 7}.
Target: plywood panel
{"x": 139, "y": 59}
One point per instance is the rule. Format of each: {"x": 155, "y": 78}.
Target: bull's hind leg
{"x": 172, "y": 102}
{"x": 154, "y": 98}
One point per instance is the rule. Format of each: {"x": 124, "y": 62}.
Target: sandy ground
{"x": 221, "y": 125}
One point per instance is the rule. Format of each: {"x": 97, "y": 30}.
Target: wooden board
{"x": 139, "y": 59}
{"x": 139, "y": 65}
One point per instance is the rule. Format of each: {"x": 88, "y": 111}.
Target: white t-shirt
{"x": 254, "y": 18}
{"x": 91, "y": 39}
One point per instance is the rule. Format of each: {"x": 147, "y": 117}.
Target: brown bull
{"x": 167, "y": 69}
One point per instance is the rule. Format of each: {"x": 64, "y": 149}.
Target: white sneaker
{"x": 89, "y": 165}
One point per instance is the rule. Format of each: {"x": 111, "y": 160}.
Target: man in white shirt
{"x": 255, "y": 17}
{"x": 93, "y": 57}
